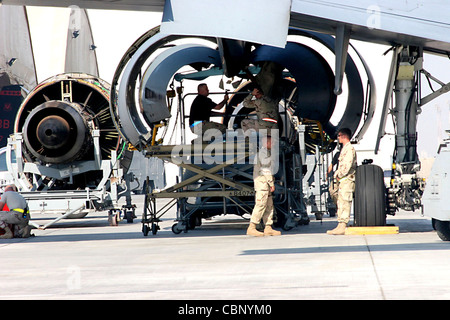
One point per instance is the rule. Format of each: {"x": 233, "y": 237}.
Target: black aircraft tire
{"x": 370, "y": 197}
{"x": 443, "y": 229}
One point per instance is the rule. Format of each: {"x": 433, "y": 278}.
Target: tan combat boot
{"x": 25, "y": 232}
{"x": 268, "y": 231}
{"x": 332, "y": 230}
{"x": 8, "y": 233}
{"x": 251, "y": 231}
{"x": 339, "y": 230}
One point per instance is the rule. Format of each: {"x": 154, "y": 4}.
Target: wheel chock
{"x": 371, "y": 230}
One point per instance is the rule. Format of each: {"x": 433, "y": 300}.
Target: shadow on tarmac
{"x": 217, "y": 228}
{"x": 362, "y": 248}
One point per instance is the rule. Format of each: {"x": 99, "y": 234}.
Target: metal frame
{"x": 72, "y": 203}
{"x": 215, "y": 187}
{"x": 205, "y": 182}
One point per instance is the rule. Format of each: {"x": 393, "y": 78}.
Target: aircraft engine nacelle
{"x": 141, "y": 82}
{"x": 67, "y": 131}
{"x": 157, "y": 79}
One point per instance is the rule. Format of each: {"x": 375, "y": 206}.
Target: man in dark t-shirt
{"x": 201, "y": 111}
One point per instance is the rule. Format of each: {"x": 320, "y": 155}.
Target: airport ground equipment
{"x": 223, "y": 187}
{"x": 65, "y": 154}
{"x": 434, "y": 198}
{"x": 148, "y": 108}
{"x": 404, "y": 92}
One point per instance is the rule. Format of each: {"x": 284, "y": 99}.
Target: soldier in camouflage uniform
{"x": 266, "y": 111}
{"x": 345, "y": 177}
{"x": 264, "y": 187}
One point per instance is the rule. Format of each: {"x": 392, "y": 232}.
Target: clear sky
{"x": 115, "y": 31}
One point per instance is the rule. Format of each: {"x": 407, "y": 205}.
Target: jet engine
{"x": 61, "y": 120}
{"x": 154, "y": 71}
{"x": 57, "y": 119}
{"x": 65, "y": 140}
{"x": 142, "y": 79}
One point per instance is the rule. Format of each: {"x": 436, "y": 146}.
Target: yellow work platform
{"x": 371, "y": 230}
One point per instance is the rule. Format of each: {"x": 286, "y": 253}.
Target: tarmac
{"x": 90, "y": 259}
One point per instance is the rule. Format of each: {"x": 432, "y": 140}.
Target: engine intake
{"x": 138, "y": 102}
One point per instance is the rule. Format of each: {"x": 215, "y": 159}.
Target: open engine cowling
{"x": 138, "y": 97}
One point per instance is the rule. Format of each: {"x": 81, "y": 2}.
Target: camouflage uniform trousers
{"x": 14, "y": 221}
{"x": 344, "y": 200}
{"x": 16, "y": 230}
{"x": 247, "y": 124}
{"x": 263, "y": 209}
{"x": 256, "y": 125}
{"x": 333, "y": 189}
{"x": 15, "y": 218}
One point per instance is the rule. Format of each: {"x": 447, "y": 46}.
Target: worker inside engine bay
{"x": 202, "y": 109}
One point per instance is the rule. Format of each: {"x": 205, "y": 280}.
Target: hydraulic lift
{"x": 224, "y": 187}
{"x": 217, "y": 178}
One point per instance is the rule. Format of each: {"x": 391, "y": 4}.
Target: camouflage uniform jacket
{"x": 265, "y": 107}
{"x": 347, "y": 163}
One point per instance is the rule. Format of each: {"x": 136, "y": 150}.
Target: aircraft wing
{"x": 415, "y": 22}
{"x": 139, "y": 5}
